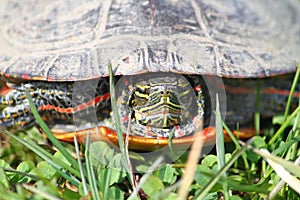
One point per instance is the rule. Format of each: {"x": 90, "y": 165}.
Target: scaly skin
{"x": 53, "y": 100}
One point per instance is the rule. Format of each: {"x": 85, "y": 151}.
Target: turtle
{"x": 169, "y": 59}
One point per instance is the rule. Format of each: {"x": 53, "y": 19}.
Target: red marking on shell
{"x": 125, "y": 119}
{"x": 102, "y": 98}
{"x": 44, "y": 107}
{"x": 90, "y": 103}
{"x": 26, "y": 77}
{"x": 69, "y": 110}
{"x": 178, "y": 131}
{"x": 197, "y": 88}
{"x": 126, "y": 60}
{"x": 207, "y": 131}
{"x": 51, "y": 78}
{"x": 125, "y": 81}
{"x": 6, "y": 75}
{"x": 72, "y": 78}
{"x": 280, "y": 92}
{"x": 82, "y": 107}
{"x": 149, "y": 132}
{"x": 75, "y": 109}
{"x": 4, "y": 88}
{"x": 241, "y": 90}
{"x": 238, "y": 90}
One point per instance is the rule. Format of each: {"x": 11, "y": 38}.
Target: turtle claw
{"x": 17, "y": 111}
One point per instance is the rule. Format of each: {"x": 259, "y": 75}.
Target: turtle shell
{"x": 61, "y": 40}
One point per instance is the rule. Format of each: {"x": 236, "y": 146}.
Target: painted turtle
{"x": 166, "y": 56}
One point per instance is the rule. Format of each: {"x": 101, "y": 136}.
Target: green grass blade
{"x": 295, "y": 132}
{"x": 31, "y": 176}
{"x": 284, "y": 147}
{"x": 145, "y": 177}
{"x": 53, "y": 161}
{"x": 284, "y": 125}
{"x": 290, "y": 166}
{"x": 51, "y": 137}
{"x": 219, "y": 175}
{"x": 107, "y": 182}
{"x": 282, "y": 167}
{"x": 287, "y": 120}
{"x": 115, "y": 109}
{"x": 236, "y": 143}
{"x": 289, "y": 101}
{"x": 232, "y": 137}
{"x": 220, "y": 146}
{"x": 84, "y": 183}
{"x": 39, "y": 192}
{"x": 90, "y": 170}
{"x": 257, "y": 105}
{"x": 124, "y": 151}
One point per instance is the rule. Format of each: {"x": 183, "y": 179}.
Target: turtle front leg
{"x": 57, "y": 103}
{"x": 17, "y": 113}
{"x": 19, "y": 116}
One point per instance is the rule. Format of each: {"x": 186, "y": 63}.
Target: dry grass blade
{"x": 280, "y": 184}
{"x": 191, "y": 164}
{"x": 281, "y": 167}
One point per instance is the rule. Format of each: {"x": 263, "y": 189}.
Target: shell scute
{"x": 61, "y": 40}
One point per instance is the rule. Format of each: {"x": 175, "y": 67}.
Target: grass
{"x": 266, "y": 167}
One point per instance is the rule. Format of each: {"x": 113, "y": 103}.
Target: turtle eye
{"x": 142, "y": 90}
